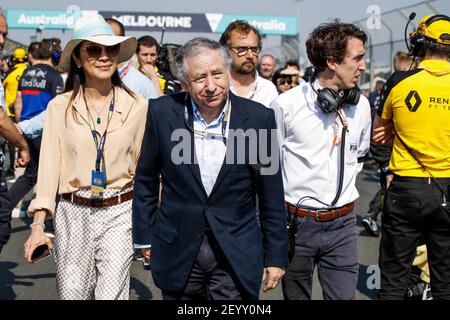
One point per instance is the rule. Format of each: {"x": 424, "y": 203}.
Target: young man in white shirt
{"x": 324, "y": 128}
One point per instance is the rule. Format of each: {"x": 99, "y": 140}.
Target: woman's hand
{"x": 37, "y": 238}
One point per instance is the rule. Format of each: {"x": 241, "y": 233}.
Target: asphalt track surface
{"x": 22, "y": 281}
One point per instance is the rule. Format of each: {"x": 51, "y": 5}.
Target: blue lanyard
{"x": 205, "y": 133}
{"x": 100, "y": 145}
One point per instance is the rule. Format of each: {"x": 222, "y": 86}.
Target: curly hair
{"x": 240, "y": 26}
{"x": 329, "y": 42}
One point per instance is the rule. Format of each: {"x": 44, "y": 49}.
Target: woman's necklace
{"x": 99, "y": 119}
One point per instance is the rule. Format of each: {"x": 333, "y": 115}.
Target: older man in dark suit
{"x": 217, "y": 155}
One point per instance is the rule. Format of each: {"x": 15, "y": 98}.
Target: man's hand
{"x": 272, "y": 277}
{"x": 23, "y": 157}
{"x": 384, "y": 134}
{"x": 149, "y": 71}
{"x": 146, "y": 253}
{"x": 24, "y": 153}
{"x": 383, "y": 131}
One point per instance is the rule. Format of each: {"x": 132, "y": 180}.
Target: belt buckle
{"x": 316, "y": 215}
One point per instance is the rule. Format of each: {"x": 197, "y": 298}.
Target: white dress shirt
{"x": 262, "y": 91}
{"x": 310, "y": 159}
{"x": 210, "y": 150}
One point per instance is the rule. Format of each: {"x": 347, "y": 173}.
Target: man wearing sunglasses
{"x": 244, "y": 42}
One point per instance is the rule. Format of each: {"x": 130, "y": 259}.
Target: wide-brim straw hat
{"x": 94, "y": 28}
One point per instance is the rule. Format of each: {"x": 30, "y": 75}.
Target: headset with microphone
{"x": 331, "y": 101}
{"x": 418, "y": 40}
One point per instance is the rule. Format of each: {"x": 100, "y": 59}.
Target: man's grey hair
{"x": 192, "y": 48}
{"x": 268, "y": 55}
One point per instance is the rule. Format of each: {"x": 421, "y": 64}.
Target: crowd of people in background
{"x": 93, "y": 124}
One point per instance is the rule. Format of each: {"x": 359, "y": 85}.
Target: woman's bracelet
{"x": 38, "y": 224}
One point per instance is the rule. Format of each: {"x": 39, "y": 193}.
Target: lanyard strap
{"x": 99, "y": 145}
{"x": 125, "y": 70}
{"x": 436, "y": 182}
{"x": 205, "y": 133}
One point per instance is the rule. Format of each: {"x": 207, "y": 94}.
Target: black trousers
{"x": 211, "y": 278}
{"x": 5, "y": 208}
{"x": 376, "y": 205}
{"x": 412, "y": 210}
{"x": 26, "y": 181}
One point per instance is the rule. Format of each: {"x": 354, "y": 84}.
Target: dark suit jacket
{"x": 176, "y": 229}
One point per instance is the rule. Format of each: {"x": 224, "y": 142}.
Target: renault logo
{"x": 409, "y": 101}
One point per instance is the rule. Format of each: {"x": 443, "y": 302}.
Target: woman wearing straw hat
{"x": 90, "y": 146}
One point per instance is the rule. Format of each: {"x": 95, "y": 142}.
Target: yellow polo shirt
{"x": 418, "y": 102}
{"x": 162, "y": 81}
{"x": 11, "y": 85}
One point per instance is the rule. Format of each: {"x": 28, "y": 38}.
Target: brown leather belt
{"x": 320, "y": 215}
{"x": 98, "y": 203}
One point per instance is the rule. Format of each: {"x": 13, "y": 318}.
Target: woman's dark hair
{"x": 329, "y": 42}
{"x": 278, "y": 75}
{"x": 76, "y": 79}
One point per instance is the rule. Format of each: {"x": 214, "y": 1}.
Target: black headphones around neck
{"x": 330, "y": 101}
{"x": 418, "y": 40}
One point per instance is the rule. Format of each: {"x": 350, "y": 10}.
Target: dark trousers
{"x": 211, "y": 277}
{"x": 26, "y": 181}
{"x": 413, "y": 210}
{"x": 376, "y": 205}
{"x": 332, "y": 245}
{"x": 12, "y": 159}
{"x": 5, "y": 210}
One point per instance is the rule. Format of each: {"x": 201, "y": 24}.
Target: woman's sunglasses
{"x": 284, "y": 81}
{"x": 96, "y": 51}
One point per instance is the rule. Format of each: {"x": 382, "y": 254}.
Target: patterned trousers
{"x": 93, "y": 250}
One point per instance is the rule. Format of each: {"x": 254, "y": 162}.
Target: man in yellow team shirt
{"x": 415, "y": 114}
{"x": 11, "y": 80}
